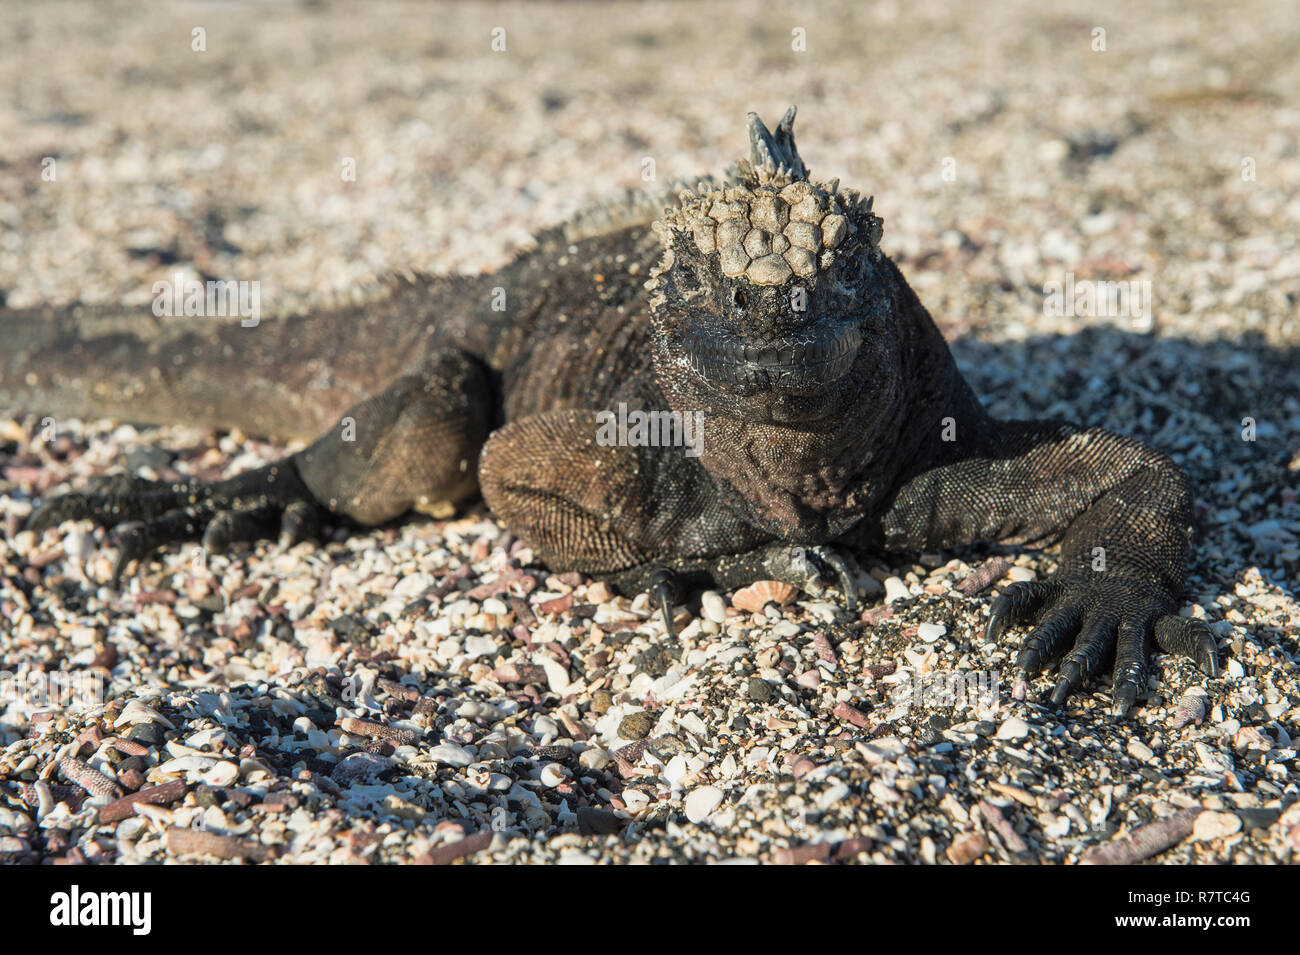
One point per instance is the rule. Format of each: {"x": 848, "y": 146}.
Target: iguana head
{"x": 762, "y": 302}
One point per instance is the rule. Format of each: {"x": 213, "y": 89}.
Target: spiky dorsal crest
{"x": 773, "y": 157}
{"x": 770, "y": 222}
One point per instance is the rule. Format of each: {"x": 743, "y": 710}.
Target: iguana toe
{"x": 804, "y": 567}
{"x": 663, "y": 589}
{"x": 300, "y": 522}
{"x": 831, "y": 559}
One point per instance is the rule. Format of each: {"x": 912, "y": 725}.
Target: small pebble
{"x": 1140, "y": 751}
{"x": 636, "y": 726}
{"x": 1215, "y": 825}
{"x": 1013, "y": 728}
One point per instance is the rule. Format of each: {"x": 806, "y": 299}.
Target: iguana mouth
{"x": 790, "y": 364}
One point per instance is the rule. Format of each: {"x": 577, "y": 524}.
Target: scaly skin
{"x": 832, "y": 415}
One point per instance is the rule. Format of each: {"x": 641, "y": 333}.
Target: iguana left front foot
{"x": 1088, "y": 622}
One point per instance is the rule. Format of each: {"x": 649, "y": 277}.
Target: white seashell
{"x": 832, "y": 795}
{"x": 701, "y": 802}
{"x": 1213, "y": 761}
{"x": 251, "y": 770}
{"x": 594, "y": 758}
{"x": 883, "y": 793}
{"x": 45, "y": 800}
{"x": 129, "y": 829}
{"x": 213, "y": 738}
{"x": 1250, "y": 737}
{"x": 78, "y": 545}
{"x": 713, "y": 607}
{"x": 225, "y": 773}
{"x": 450, "y": 754}
{"x": 557, "y": 676}
{"x": 923, "y": 662}
{"x": 1191, "y": 708}
{"x": 470, "y": 709}
{"x": 186, "y": 764}
{"x": 676, "y": 769}
{"x": 1058, "y": 828}
{"x": 809, "y": 679}
{"x": 480, "y": 646}
{"x": 552, "y": 775}
{"x": 895, "y": 589}
{"x": 930, "y": 632}
{"x": 413, "y": 584}
{"x": 1140, "y": 751}
{"x": 137, "y": 712}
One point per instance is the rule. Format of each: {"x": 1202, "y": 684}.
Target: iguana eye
{"x": 738, "y": 298}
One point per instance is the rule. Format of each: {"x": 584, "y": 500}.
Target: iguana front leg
{"x": 1122, "y": 514}
{"x": 643, "y": 518}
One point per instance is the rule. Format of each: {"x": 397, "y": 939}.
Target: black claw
{"x": 1122, "y": 698}
{"x": 1132, "y": 650}
{"x": 1190, "y": 638}
{"x": 129, "y": 539}
{"x": 229, "y": 526}
{"x": 832, "y": 559}
{"x": 1048, "y": 641}
{"x": 1030, "y": 662}
{"x": 1019, "y": 603}
{"x": 38, "y": 519}
{"x": 1071, "y": 679}
{"x": 663, "y": 587}
{"x": 1209, "y": 662}
{"x": 299, "y": 522}
{"x": 997, "y": 625}
{"x": 218, "y": 534}
{"x": 69, "y": 507}
{"x": 152, "y": 514}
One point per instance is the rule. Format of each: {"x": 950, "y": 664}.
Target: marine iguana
{"x": 833, "y": 418}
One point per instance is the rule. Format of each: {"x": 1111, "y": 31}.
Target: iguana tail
{"x": 285, "y": 378}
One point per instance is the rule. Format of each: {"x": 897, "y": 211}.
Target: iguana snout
{"x": 803, "y": 363}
